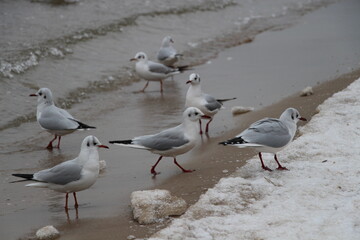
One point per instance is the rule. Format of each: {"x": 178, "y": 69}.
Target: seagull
{"x": 167, "y": 54}
{"x": 170, "y": 142}
{"x": 71, "y": 176}
{"x": 152, "y": 71}
{"x": 269, "y": 135}
{"x": 55, "y": 120}
{"x": 206, "y": 103}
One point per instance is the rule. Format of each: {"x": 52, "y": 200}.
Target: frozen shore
{"x": 317, "y": 199}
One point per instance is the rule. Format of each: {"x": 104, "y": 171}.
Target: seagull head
{"x": 193, "y": 114}
{"x": 44, "y": 96}
{"x": 194, "y": 79}
{"x": 167, "y": 41}
{"x": 292, "y": 114}
{"x": 91, "y": 142}
{"x": 139, "y": 57}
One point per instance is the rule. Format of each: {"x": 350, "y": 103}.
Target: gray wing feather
{"x": 60, "y": 174}
{"x": 212, "y": 104}
{"x": 163, "y": 54}
{"x": 57, "y": 119}
{"x": 164, "y": 140}
{"x": 160, "y": 68}
{"x": 269, "y": 132}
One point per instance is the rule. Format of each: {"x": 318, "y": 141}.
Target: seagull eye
{"x": 40, "y": 93}
{"x": 95, "y": 143}
{"x": 189, "y": 115}
{"x": 45, "y": 96}
{"x": 196, "y": 113}
{"x": 88, "y": 144}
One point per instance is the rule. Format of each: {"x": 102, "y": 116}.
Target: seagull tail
{"x": 184, "y": 68}
{"x": 82, "y": 125}
{"x": 27, "y": 177}
{"x": 225, "y": 100}
{"x": 236, "y": 140}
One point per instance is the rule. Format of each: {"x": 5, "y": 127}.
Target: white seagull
{"x": 269, "y": 135}
{"x": 170, "y": 142}
{"x": 55, "y": 120}
{"x": 71, "y": 176}
{"x": 206, "y": 103}
{"x": 167, "y": 54}
{"x": 153, "y": 71}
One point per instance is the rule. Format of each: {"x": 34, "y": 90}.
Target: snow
{"x": 319, "y": 198}
{"x": 47, "y": 233}
{"x": 150, "y": 206}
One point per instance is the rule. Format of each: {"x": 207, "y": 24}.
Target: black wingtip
{"x": 22, "y": 175}
{"x": 237, "y": 140}
{"x": 82, "y": 125}
{"x": 225, "y": 100}
{"x": 184, "y": 68}
{"x": 121, "y": 142}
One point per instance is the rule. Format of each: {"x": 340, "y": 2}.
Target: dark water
{"x": 81, "y": 51}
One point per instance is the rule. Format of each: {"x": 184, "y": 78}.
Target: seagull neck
{"x": 195, "y": 89}
{"x": 191, "y": 128}
{"x": 291, "y": 125}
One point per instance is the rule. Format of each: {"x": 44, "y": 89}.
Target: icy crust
{"x": 319, "y": 198}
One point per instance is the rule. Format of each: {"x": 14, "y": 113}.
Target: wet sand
{"x": 104, "y": 211}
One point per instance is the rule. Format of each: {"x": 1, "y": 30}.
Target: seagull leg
{"x": 146, "y": 85}
{"x": 153, "y": 167}
{"x": 49, "y": 146}
{"x": 200, "y": 127}
{"x": 263, "y": 165}
{"x": 207, "y": 125}
{"x": 76, "y": 203}
{"x": 66, "y": 201}
{"x": 58, "y": 146}
{"x": 184, "y": 170}
{"x": 279, "y": 166}
{"x": 161, "y": 86}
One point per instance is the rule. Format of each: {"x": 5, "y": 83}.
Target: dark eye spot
{"x": 292, "y": 117}
{"x": 196, "y": 113}
{"x": 88, "y": 144}
{"x": 40, "y": 93}
{"x": 45, "y": 96}
{"x": 95, "y": 143}
{"x": 189, "y": 115}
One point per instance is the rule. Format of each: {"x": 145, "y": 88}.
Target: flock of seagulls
{"x": 266, "y": 135}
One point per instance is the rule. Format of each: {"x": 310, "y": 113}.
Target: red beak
{"x": 188, "y": 82}
{"x": 103, "y": 146}
{"x": 302, "y": 119}
{"x": 133, "y": 59}
{"x": 206, "y": 117}
{"x": 33, "y": 95}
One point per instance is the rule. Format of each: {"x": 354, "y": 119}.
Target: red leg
{"x": 66, "y": 201}
{"x": 200, "y": 127}
{"x": 153, "y": 167}
{"x": 161, "y": 86}
{"x": 263, "y": 165}
{"x": 184, "y": 170}
{"x": 76, "y": 203}
{"x": 207, "y": 125}
{"x": 279, "y": 166}
{"x": 58, "y": 146}
{"x": 49, "y": 146}
{"x": 146, "y": 85}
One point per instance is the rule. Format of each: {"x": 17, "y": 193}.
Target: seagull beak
{"x": 302, "y": 119}
{"x": 188, "y": 82}
{"x": 133, "y": 59}
{"x": 33, "y": 95}
{"x": 103, "y": 146}
{"x": 205, "y": 117}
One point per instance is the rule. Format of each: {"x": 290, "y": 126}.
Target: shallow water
{"x": 81, "y": 51}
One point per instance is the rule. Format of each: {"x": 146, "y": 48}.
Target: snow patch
{"x": 152, "y": 206}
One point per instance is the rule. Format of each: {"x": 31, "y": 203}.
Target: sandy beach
{"x": 267, "y": 73}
